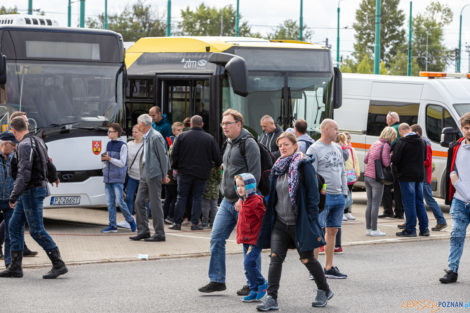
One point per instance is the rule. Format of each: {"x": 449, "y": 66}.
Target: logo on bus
{"x": 96, "y": 146}
{"x": 193, "y": 64}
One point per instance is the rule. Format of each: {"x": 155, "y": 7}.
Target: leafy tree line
{"x": 427, "y": 34}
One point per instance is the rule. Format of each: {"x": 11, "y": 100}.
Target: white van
{"x": 433, "y": 103}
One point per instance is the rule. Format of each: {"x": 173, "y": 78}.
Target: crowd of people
{"x": 300, "y": 204}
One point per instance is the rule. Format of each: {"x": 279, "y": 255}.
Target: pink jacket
{"x": 374, "y": 154}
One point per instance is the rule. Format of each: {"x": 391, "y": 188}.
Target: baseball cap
{"x": 7, "y": 136}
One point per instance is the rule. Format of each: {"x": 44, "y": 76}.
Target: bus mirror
{"x": 448, "y": 136}
{"x": 3, "y": 70}
{"x": 338, "y": 89}
{"x": 236, "y": 70}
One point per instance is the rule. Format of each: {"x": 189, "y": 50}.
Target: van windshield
{"x": 462, "y": 108}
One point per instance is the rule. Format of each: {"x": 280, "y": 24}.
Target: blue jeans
{"x": 28, "y": 209}
{"x": 115, "y": 192}
{"x": 7, "y": 213}
{"x": 250, "y": 262}
{"x": 436, "y": 210}
{"x": 413, "y": 203}
{"x": 224, "y": 223}
{"x": 131, "y": 189}
{"x": 460, "y": 212}
{"x": 189, "y": 185}
{"x": 332, "y": 215}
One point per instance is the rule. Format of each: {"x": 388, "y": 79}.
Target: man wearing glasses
{"x": 227, "y": 215}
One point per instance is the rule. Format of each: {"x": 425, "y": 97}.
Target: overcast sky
{"x": 264, "y": 15}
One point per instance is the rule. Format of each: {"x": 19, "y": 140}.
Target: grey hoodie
{"x": 234, "y": 163}
{"x": 302, "y": 141}
{"x": 462, "y": 167}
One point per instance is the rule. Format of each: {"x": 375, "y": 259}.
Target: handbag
{"x": 351, "y": 174}
{"x": 383, "y": 174}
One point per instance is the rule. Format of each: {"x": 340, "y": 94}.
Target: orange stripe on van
{"x": 358, "y": 145}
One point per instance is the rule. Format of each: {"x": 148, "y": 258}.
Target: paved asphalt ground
{"x": 382, "y": 277}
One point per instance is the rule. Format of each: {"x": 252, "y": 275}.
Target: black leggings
{"x": 282, "y": 238}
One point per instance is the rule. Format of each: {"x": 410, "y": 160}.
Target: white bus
{"x": 69, "y": 81}
{"x": 433, "y": 103}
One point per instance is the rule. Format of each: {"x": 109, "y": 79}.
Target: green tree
{"x": 348, "y": 66}
{"x": 392, "y": 34}
{"x": 133, "y": 23}
{"x": 207, "y": 21}
{"x": 5, "y": 10}
{"x": 365, "y": 66}
{"x": 428, "y": 35}
{"x": 290, "y": 30}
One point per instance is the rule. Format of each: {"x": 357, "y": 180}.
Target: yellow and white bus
{"x": 207, "y": 75}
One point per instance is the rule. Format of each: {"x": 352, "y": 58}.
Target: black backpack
{"x": 266, "y": 159}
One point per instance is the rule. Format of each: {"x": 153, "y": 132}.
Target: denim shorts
{"x": 332, "y": 215}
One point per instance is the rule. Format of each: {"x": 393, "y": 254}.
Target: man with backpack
{"x": 303, "y": 139}
{"x": 33, "y": 172}
{"x": 234, "y": 163}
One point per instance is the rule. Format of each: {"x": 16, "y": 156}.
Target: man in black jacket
{"x": 408, "y": 157}
{"x": 30, "y": 189}
{"x": 269, "y": 136}
{"x": 195, "y": 152}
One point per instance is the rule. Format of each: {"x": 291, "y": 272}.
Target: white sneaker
{"x": 368, "y": 232}
{"x": 344, "y": 217}
{"x": 349, "y": 216}
{"x": 377, "y": 233}
{"x": 124, "y": 224}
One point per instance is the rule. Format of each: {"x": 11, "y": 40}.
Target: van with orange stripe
{"x": 433, "y": 103}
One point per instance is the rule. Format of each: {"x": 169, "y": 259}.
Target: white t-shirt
{"x": 132, "y": 148}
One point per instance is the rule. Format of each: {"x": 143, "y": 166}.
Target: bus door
{"x": 182, "y": 97}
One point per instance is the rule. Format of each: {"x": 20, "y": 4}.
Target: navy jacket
{"x": 6, "y": 180}
{"x": 308, "y": 233}
{"x": 111, "y": 173}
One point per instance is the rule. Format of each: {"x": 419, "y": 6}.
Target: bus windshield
{"x": 307, "y": 93}
{"x": 462, "y": 108}
{"x": 59, "y": 94}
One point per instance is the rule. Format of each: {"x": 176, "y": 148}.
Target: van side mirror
{"x": 338, "y": 89}
{"x": 236, "y": 69}
{"x": 448, "y": 136}
{"x": 3, "y": 70}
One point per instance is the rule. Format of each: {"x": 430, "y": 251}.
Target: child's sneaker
{"x": 321, "y": 250}
{"x": 251, "y": 297}
{"x": 110, "y": 229}
{"x": 262, "y": 289}
{"x": 338, "y": 250}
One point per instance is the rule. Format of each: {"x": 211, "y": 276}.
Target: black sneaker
{"x": 244, "y": 291}
{"x": 175, "y": 226}
{"x": 385, "y": 215}
{"x": 169, "y": 221}
{"x": 439, "y": 227}
{"x": 334, "y": 273}
{"x": 213, "y": 286}
{"x": 406, "y": 233}
{"x": 196, "y": 227}
{"x": 424, "y": 233}
{"x": 449, "y": 277}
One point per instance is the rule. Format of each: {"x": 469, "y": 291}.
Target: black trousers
{"x": 170, "y": 200}
{"x": 282, "y": 238}
{"x": 389, "y": 196}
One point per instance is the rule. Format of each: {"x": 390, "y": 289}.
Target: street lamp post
{"x": 460, "y": 38}
{"x": 168, "y": 19}
{"x": 410, "y": 40}
{"x": 377, "y": 38}
{"x": 337, "y": 38}
{"x": 69, "y": 18}
{"x": 30, "y": 7}
{"x": 301, "y": 21}
{"x": 82, "y": 13}
{"x": 237, "y": 20}
{"x": 105, "y": 14}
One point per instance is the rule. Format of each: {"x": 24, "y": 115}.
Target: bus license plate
{"x": 67, "y": 200}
